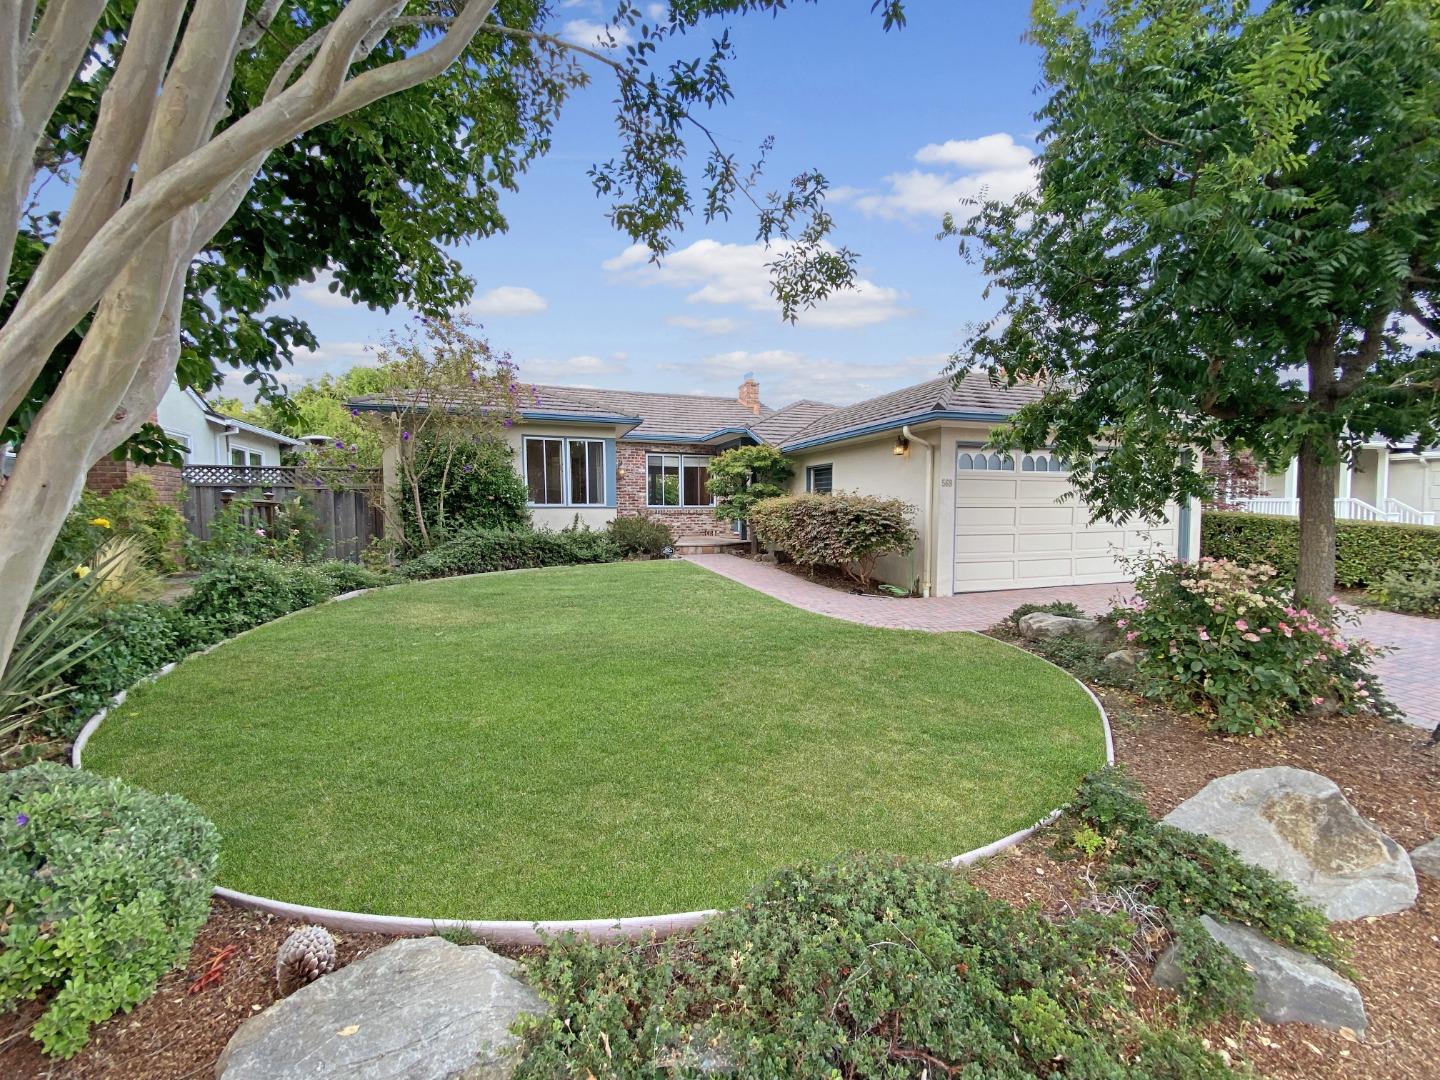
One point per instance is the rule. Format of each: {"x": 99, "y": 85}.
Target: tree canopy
{"x": 1234, "y": 240}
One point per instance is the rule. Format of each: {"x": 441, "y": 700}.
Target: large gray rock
{"x": 421, "y": 1009}
{"x": 1042, "y": 624}
{"x": 1290, "y": 987}
{"x": 1300, "y": 827}
{"x": 1426, "y": 858}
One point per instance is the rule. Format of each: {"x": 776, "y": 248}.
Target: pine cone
{"x": 303, "y": 957}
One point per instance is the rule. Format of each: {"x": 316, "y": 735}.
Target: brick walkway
{"x": 1410, "y": 676}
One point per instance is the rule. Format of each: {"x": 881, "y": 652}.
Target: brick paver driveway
{"x": 1411, "y": 675}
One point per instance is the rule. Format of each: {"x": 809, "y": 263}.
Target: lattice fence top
{"x": 283, "y": 476}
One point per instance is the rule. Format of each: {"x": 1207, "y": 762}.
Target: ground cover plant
{"x": 592, "y": 741}
{"x": 482, "y": 551}
{"x": 105, "y": 887}
{"x": 866, "y": 966}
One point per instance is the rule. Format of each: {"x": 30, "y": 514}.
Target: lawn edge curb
{"x": 519, "y": 931}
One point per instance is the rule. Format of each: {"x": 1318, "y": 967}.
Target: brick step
{"x": 707, "y": 545}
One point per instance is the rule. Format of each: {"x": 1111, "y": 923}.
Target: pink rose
{"x": 1251, "y": 637}
{"x": 1241, "y": 624}
{"x": 1203, "y": 633}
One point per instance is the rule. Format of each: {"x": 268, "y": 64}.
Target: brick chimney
{"x": 750, "y": 393}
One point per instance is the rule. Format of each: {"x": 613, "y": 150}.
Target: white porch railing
{"x": 1345, "y": 510}
{"x": 1404, "y": 512}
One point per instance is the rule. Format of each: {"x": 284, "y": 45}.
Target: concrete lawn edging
{"x": 519, "y": 931}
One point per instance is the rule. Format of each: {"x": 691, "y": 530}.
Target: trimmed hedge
{"x": 483, "y": 551}
{"x": 1364, "y": 550}
{"x": 849, "y": 532}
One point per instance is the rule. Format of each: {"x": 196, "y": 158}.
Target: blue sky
{"x": 902, "y": 124}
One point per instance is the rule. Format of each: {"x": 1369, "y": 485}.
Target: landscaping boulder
{"x": 1426, "y": 858}
{"x": 1300, "y": 827}
{"x": 1123, "y": 661}
{"x": 1042, "y": 624}
{"x": 421, "y": 1009}
{"x": 1289, "y": 987}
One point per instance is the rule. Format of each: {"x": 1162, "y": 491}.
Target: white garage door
{"x": 1011, "y": 533}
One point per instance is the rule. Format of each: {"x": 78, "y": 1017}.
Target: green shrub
{"x": 130, "y": 510}
{"x": 234, "y": 594}
{"x": 1416, "y": 592}
{"x": 239, "y": 530}
{"x": 1364, "y": 550}
{"x": 849, "y": 532}
{"x": 105, "y": 887}
{"x": 135, "y": 640}
{"x": 473, "y": 485}
{"x": 869, "y": 966}
{"x": 482, "y": 551}
{"x": 344, "y": 577}
{"x": 639, "y": 535}
{"x": 1223, "y": 639}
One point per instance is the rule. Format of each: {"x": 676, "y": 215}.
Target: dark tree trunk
{"x": 1315, "y": 573}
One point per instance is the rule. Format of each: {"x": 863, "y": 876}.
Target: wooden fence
{"x": 344, "y": 501}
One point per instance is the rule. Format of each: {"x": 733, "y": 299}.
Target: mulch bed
{"x": 1392, "y": 777}
{"x": 177, "y": 1033}
{"x": 828, "y": 576}
{"x": 1386, "y": 770}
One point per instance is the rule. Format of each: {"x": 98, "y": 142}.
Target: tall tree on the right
{"x": 1234, "y": 239}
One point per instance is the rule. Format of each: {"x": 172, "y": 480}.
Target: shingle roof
{"x": 974, "y": 393}
{"x": 784, "y": 423}
{"x": 685, "y": 416}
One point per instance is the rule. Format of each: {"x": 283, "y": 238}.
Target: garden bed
{"x": 828, "y": 576}
{"x": 1385, "y": 770}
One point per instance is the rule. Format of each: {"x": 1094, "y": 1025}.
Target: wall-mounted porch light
{"x": 902, "y": 447}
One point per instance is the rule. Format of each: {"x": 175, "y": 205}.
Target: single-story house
{"x": 985, "y": 520}
{"x": 1384, "y": 481}
{"x": 208, "y": 438}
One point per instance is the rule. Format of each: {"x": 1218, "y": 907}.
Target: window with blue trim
{"x": 565, "y": 472}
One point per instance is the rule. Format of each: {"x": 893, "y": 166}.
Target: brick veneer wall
{"x": 630, "y": 494}
{"x": 106, "y": 475}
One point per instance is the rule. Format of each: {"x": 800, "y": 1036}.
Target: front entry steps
{"x": 708, "y": 545}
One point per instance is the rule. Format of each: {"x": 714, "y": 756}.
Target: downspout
{"x": 926, "y": 580}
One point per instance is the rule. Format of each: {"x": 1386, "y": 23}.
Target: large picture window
{"x": 677, "y": 480}
{"x": 565, "y": 472}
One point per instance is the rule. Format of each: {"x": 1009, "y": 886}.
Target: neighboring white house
{"x": 1396, "y": 482}
{"x": 211, "y": 438}
{"x": 984, "y": 520}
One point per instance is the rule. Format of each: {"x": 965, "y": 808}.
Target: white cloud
{"x": 718, "y": 273}
{"x": 576, "y": 371}
{"x": 316, "y": 292}
{"x": 657, "y": 11}
{"x": 989, "y": 153}
{"x": 705, "y": 326}
{"x": 993, "y": 166}
{"x": 785, "y": 375}
{"x": 508, "y": 300}
{"x": 596, "y": 35}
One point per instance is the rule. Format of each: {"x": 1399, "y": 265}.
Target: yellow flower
{"x": 82, "y": 571}
{"x": 103, "y": 523}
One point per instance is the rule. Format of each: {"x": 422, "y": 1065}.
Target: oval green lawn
{"x": 595, "y": 741}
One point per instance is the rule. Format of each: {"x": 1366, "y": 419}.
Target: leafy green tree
{"x": 1234, "y": 241}
{"x": 742, "y": 477}
{"x": 161, "y": 153}
{"x": 319, "y": 406}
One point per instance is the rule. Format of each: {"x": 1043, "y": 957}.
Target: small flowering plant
{"x": 1226, "y": 639}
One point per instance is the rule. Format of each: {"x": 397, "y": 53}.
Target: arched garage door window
{"x": 979, "y": 461}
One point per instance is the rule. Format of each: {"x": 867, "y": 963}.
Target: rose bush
{"x": 1225, "y": 639}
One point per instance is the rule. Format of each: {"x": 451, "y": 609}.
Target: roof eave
{"x": 891, "y": 425}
